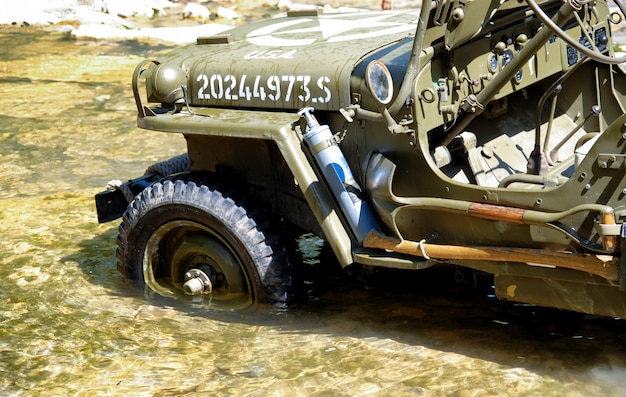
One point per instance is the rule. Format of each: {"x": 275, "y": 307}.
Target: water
{"x": 70, "y": 326}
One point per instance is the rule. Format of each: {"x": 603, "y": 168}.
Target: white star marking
{"x": 331, "y": 28}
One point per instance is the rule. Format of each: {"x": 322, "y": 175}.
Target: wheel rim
{"x": 177, "y": 247}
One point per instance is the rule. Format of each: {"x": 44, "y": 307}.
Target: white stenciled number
{"x": 306, "y": 93}
{"x": 230, "y": 94}
{"x": 301, "y": 88}
{"x": 273, "y": 86}
{"x": 204, "y": 80}
{"x": 291, "y": 80}
{"x": 244, "y": 90}
{"x": 217, "y": 86}
{"x": 258, "y": 90}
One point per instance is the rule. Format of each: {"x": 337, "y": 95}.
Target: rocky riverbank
{"x": 167, "y": 21}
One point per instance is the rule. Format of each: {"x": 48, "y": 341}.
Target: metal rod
{"x": 473, "y": 105}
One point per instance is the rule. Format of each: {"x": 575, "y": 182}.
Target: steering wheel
{"x": 576, "y": 6}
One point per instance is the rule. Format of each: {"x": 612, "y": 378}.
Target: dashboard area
{"x": 453, "y": 76}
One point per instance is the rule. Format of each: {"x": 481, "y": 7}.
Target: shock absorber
{"x": 338, "y": 175}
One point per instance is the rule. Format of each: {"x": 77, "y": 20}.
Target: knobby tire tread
{"x": 270, "y": 260}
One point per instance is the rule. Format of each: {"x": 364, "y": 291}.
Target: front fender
{"x": 277, "y": 127}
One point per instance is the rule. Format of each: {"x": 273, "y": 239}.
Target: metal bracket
{"x": 621, "y": 266}
{"x": 611, "y": 161}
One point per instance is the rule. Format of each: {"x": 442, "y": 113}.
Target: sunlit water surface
{"x": 70, "y": 326}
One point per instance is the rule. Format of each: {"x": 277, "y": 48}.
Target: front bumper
{"x": 112, "y": 203}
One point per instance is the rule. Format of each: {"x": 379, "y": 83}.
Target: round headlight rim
{"x": 379, "y": 81}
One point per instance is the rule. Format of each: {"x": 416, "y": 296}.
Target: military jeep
{"x": 486, "y": 135}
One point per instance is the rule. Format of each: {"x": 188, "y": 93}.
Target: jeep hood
{"x": 287, "y": 63}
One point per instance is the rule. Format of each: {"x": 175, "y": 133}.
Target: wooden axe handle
{"x": 603, "y": 266}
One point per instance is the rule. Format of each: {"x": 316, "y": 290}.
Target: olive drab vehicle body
{"x": 483, "y": 134}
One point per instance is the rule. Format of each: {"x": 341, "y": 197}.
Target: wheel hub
{"x": 186, "y": 259}
{"x": 197, "y": 282}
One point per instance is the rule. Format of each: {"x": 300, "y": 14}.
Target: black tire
{"x": 175, "y": 226}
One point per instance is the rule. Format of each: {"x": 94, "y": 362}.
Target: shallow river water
{"x": 70, "y": 326}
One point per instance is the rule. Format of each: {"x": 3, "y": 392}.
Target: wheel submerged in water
{"x": 192, "y": 243}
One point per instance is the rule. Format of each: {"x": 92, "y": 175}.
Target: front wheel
{"x": 192, "y": 243}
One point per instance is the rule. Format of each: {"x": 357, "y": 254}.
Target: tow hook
{"x": 197, "y": 282}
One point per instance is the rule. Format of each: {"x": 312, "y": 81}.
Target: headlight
{"x": 379, "y": 81}
{"x": 166, "y": 83}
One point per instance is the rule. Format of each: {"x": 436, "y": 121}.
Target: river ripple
{"x": 69, "y": 325}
